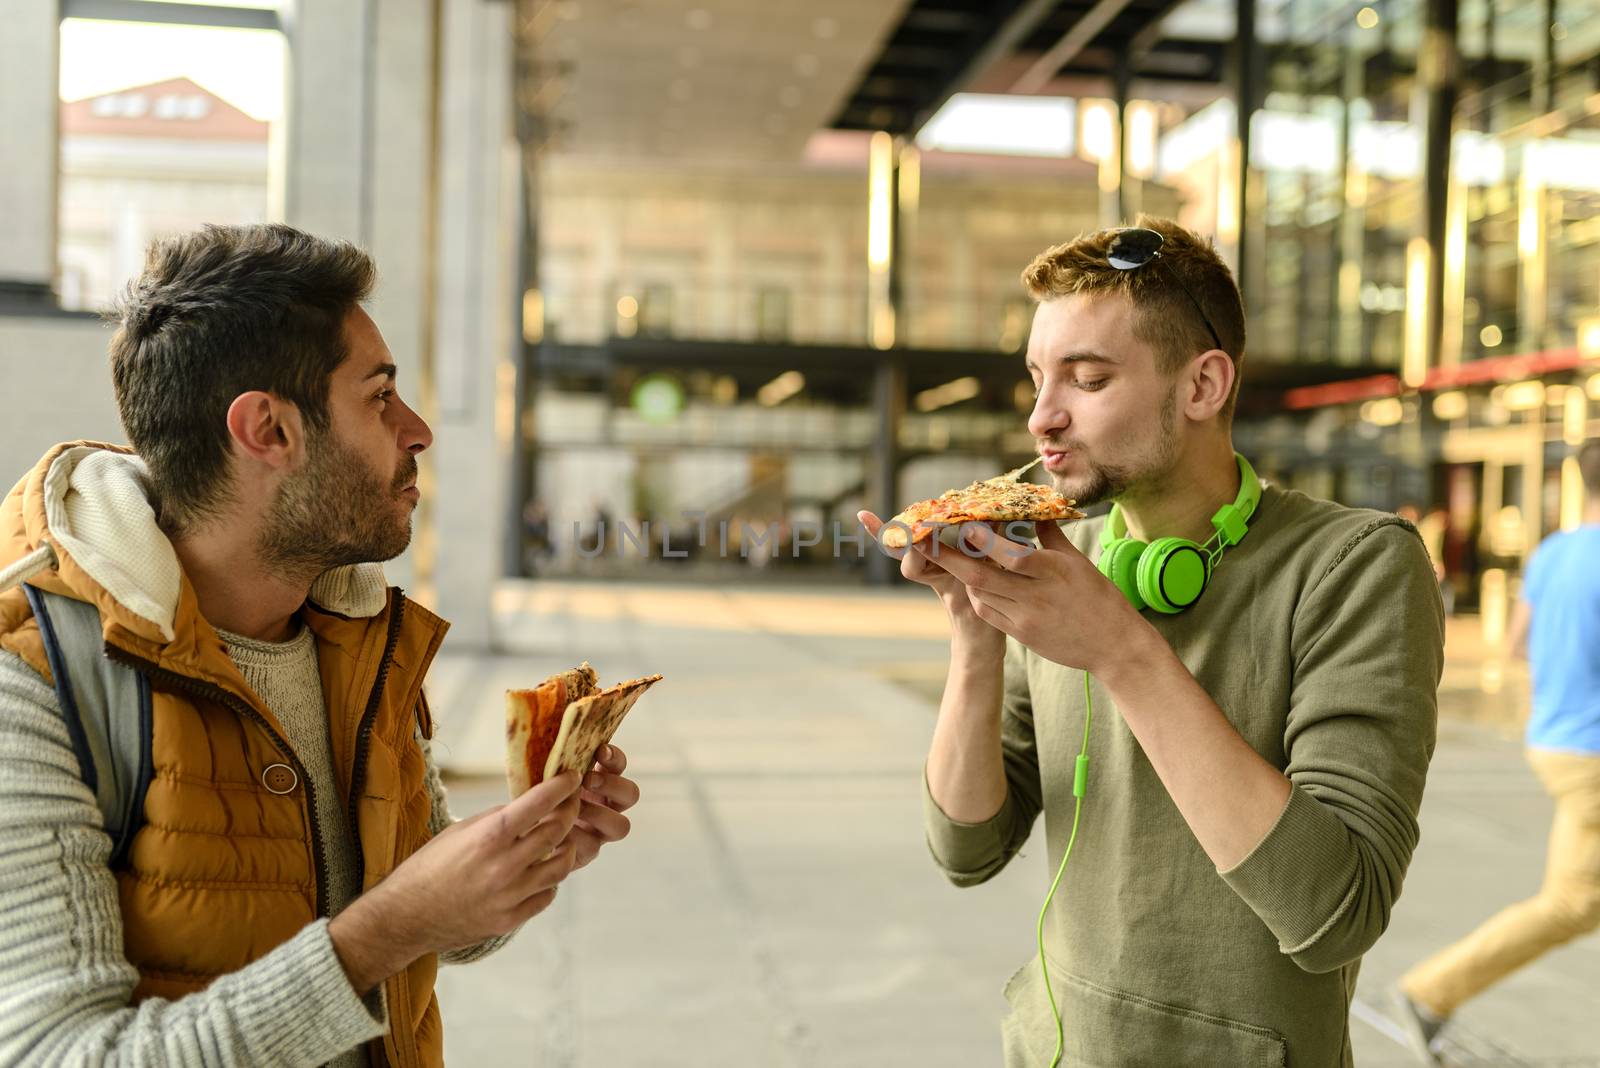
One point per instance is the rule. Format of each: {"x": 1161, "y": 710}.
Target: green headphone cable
{"x": 1080, "y": 781}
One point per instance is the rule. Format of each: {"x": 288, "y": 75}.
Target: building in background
{"x": 143, "y": 162}
{"x": 759, "y": 262}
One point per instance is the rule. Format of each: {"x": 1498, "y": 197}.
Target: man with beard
{"x": 1244, "y": 808}
{"x": 294, "y": 877}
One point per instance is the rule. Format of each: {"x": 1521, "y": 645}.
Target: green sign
{"x": 657, "y": 398}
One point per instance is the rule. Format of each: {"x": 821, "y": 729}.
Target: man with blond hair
{"x": 1253, "y": 758}
{"x": 1556, "y": 624}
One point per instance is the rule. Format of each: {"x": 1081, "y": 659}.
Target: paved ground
{"x": 776, "y": 906}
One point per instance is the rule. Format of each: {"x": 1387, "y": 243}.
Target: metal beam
{"x": 1011, "y": 32}
{"x": 1247, "y": 93}
{"x": 1433, "y": 105}
{"x": 1121, "y": 79}
{"x": 1085, "y": 30}
{"x": 1150, "y": 36}
{"x": 244, "y": 18}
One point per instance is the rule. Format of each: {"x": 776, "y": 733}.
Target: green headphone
{"x": 1170, "y": 574}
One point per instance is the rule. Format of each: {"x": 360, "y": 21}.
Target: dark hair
{"x": 1589, "y": 465}
{"x": 218, "y": 312}
{"x": 1164, "y": 316}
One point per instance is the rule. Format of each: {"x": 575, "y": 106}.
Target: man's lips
{"x": 1053, "y": 458}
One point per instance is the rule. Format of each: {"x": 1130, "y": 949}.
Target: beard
{"x": 337, "y": 511}
{"x": 1112, "y": 481}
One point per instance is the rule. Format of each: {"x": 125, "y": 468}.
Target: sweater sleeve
{"x": 1367, "y": 654}
{"x": 438, "y": 821}
{"x": 973, "y": 853}
{"x": 65, "y": 985}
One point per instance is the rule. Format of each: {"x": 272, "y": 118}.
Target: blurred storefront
{"x": 759, "y": 263}
{"x": 1410, "y": 210}
{"x": 1478, "y": 427}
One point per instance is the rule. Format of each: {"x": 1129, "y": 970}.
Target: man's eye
{"x": 385, "y": 394}
{"x": 1092, "y": 384}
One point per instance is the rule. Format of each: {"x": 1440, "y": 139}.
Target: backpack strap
{"x": 106, "y": 706}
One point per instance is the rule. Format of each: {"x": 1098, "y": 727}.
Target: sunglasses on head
{"x": 1133, "y": 247}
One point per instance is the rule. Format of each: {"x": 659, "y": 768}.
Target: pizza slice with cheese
{"x": 996, "y": 500}
{"x": 562, "y": 723}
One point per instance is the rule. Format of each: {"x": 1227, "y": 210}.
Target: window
{"x": 163, "y": 127}
{"x": 655, "y": 311}
{"x": 772, "y": 314}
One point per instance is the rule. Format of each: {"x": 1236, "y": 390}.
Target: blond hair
{"x": 1164, "y": 317}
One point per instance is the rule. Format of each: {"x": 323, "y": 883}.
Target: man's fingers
{"x": 521, "y": 815}
{"x": 612, "y": 759}
{"x": 991, "y": 611}
{"x": 974, "y": 574}
{"x": 547, "y": 834}
{"x": 548, "y": 872}
{"x": 995, "y": 544}
{"x": 613, "y": 791}
{"x": 1052, "y": 537}
{"x": 918, "y": 568}
{"x": 534, "y": 905}
{"x": 870, "y": 521}
{"x": 603, "y": 822}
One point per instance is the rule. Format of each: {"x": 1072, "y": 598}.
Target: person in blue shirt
{"x": 1556, "y": 625}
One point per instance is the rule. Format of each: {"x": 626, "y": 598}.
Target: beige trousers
{"x": 1567, "y": 905}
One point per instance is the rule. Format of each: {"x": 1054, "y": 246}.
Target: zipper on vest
{"x": 217, "y": 693}
{"x": 358, "y": 771}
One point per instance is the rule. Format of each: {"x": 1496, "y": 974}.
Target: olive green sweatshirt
{"x": 1321, "y": 638}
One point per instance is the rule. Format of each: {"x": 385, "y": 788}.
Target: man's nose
{"x": 416, "y": 435}
{"x": 1048, "y": 418}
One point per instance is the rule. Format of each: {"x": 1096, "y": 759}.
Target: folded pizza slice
{"x": 590, "y": 722}
{"x": 533, "y": 723}
{"x": 994, "y": 500}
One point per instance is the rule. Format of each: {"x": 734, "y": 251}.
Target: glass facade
{"x": 1479, "y": 432}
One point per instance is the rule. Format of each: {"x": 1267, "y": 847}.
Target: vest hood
{"x": 85, "y": 511}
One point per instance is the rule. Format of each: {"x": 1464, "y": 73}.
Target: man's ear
{"x": 1209, "y": 383}
{"x": 267, "y": 428}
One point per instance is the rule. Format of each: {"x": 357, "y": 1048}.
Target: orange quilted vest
{"x": 227, "y": 864}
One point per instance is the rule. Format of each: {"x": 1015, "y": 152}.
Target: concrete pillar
{"x": 479, "y": 226}
{"x": 477, "y": 307}
{"x": 329, "y": 110}
{"x": 28, "y": 107}
{"x": 349, "y": 70}
{"x": 445, "y": 294}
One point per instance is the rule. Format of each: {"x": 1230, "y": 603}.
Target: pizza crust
{"x": 562, "y": 723}
{"x": 533, "y": 722}
{"x": 589, "y": 724}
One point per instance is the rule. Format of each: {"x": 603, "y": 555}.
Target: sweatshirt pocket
{"x": 1109, "y": 1028}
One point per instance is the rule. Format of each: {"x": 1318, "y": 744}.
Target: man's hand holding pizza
{"x": 475, "y": 879}
{"x": 968, "y": 629}
{"x": 1050, "y": 598}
